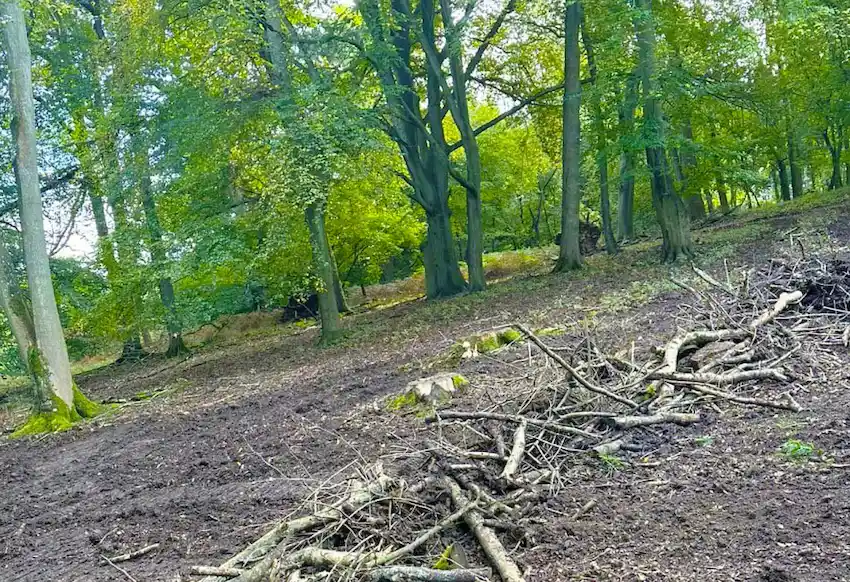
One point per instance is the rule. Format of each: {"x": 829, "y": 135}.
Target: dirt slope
{"x": 246, "y": 432}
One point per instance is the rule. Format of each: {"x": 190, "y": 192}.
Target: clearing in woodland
{"x": 595, "y": 440}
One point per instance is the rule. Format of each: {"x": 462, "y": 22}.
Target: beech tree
{"x": 60, "y": 401}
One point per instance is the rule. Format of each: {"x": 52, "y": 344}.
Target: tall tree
{"x": 670, "y": 211}
{"x": 49, "y": 363}
{"x": 570, "y": 254}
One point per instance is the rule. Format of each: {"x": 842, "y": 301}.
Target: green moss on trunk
{"x": 85, "y": 407}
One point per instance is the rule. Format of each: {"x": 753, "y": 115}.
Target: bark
{"x": 794, "y": 165}
{"x": 774, "y": 181}
{"x": 16, "y": 307}
{"x": 570, "y": 254}
{"x": 709, "y": 201}
{"x": 784, "y": 184}
{"x": 48, "y": 328}
{"x": 625, "y": 208}
{"x": 442, "y": 279}
{"x": 322, "y": 260}
{"x": 173, "y": 323}
{"x": 671, "y": 212}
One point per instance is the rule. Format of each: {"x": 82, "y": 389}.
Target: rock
{"x": 436, "y": 389}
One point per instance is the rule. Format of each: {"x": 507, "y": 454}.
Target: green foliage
{"x": 611, "y": 463}
{"x": 796, "y": 450}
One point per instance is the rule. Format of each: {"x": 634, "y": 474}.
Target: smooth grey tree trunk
{"x": 48, "y": 328}
{"x": 570, "y": 253}
{"x": 671, "y": 213}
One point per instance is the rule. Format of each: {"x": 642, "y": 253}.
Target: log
{"x": 417, "y": 574}
{"x": 726, "y": 379}
{"x": 490, "y": 543}
{"x": 681, "y": 418}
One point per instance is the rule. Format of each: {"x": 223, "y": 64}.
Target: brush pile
{"x": 483, "y": 475}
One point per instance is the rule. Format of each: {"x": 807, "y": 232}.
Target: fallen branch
{"x": 517, "y": 451}
{"x": 584, "y": 509}
{"x": 787, "y": 403}
{"x": 119, "y": 568}
{"x": 572, "y": 371}
{"x": 133, "y": 555}
{"x": 273, "y": 538}
{"x": 552, "y": 426}
{"x": 218, "y": 571}
{"x": 490, "y": 543}
{"x": 416, "y": 574}
{"x": 729, "y": 378}
{"x": 683, "y": 419}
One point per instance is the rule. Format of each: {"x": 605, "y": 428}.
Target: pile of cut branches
{"x": 485, "y": 473}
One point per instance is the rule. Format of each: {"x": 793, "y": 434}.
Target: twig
{"x": 133, "y": 555}
{"x": 787, "y": 403}
{"x": 552, "y": 426}
{"x": 584, "y": 509}
{"x": 119, "y": 568}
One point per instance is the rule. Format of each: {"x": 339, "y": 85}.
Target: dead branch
{"x": 119, "y": 568}
{"x": 490, "y": 543}
{"x": 416, "y": 574}
{"x": 517, "y": 451}
{"x": 584, "y": 509}
{"x": 552, "y": 426}
{"x": 727, "y": 379}
{"x": 133, "y": 555}
{"x": 217, "y": 571}
{"x": 787, "y": 402}
{"x": 625, "y": 422}
{"x": 273, "y": 538}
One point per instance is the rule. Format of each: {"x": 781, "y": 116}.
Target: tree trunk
{"x": 440, "y": 257}
{"x": 570, "y": 254}
{"x": 16, "y": 307}
{"x": 774, "y": 181}
{"x": 671, "y": 213}
{"x": 173, "y": 323}
{"x": 625, "y": 208}
{"x": 709, "y": 201}
{"x": 686, "y": 163}
{"x": 328, "y": 310}
{"x": 339, "y": 291}
{"x": 835, "y": 180}
{"x": 784, "y": 184}
{"x": 49, "y": 365}
{"x": 721, "y": 195}
{"x": 794, "y": 165}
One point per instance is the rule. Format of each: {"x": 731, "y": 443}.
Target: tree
{"x": 671, "y": 213}
{"x": 570, "y": 254}
{"x": 48, "y": 363}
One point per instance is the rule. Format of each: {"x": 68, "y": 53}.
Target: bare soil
{"x": 241, "y": 435}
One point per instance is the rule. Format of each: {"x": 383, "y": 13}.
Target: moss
{"x": 509, "y": 336}
{"x": 459, "y": 382}
{"x": 550, "y": 331}
{"x": 58, "y": 419}
{"x": 400, "y": 401}
{"x": 488, "y": 343}
{"x": 84, "y": 407}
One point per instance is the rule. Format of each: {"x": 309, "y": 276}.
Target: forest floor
{"x": 237, "y": 436}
